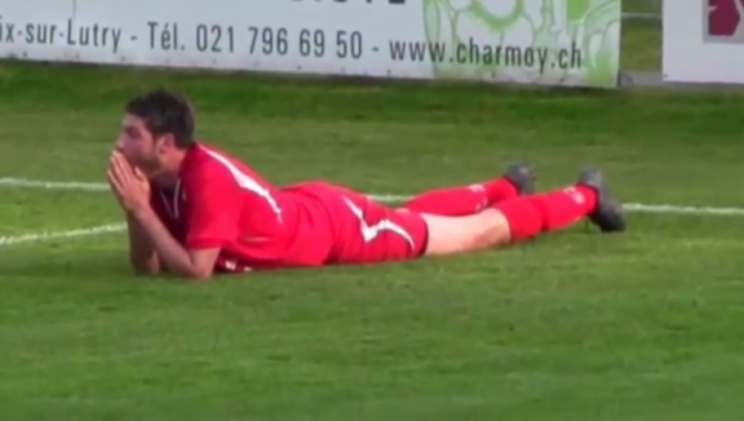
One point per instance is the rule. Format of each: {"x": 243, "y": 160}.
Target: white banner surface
{"x": 561, "y": 42}
{"x": 703, "y": 41}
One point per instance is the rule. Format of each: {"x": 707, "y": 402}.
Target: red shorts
{"x": 362, "y": 231}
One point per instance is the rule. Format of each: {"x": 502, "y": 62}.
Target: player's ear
{"x": 165, "y": 143}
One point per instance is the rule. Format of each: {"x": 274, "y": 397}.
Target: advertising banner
{"x": 703, "y": 41}
{"x": 555, "y": 42}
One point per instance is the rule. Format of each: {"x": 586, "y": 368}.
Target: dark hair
{"x": 165, "y": 112}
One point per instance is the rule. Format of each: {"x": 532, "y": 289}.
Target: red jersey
{"x": 219, "y": 202}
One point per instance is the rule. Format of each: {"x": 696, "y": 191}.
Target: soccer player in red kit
{"x": 194, "y": 210}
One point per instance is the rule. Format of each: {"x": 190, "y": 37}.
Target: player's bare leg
{"x": 517, "y": 180}
{"x": 525, "y": 217}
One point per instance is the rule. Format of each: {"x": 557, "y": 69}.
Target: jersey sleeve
{"x": 214, "y": 208}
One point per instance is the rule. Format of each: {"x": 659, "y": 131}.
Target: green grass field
{"x": 641, "y": 38}
{"x": 576, "y": 326}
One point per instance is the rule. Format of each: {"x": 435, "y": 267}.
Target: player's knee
{"x": 463, "y": 234}
{"x": 489, "y": 229}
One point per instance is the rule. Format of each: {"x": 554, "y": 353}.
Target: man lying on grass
{"x": 194, "y": 210}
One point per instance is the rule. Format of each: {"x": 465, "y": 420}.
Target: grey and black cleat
{"x": 608, "y": 214}
{"x": 522, "y": 177}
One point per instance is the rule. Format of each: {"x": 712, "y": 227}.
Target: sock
{"x": 499, "y": 190}
{"x": 531, "y": 215}
{"x": 452, "y": 201}
{"x": 464, "y": 200}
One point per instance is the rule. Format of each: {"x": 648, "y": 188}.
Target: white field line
{"x": 25, "y": 183}
{"x": 12, "y": 240}
{"x": 630, "y": 207}
{"x": 110, "y": 228}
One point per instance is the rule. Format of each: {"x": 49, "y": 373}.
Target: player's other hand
{"x": 129, "y": 185}
{"x": 142, "y": 180}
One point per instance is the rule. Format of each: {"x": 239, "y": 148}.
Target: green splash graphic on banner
{"x": 503, "y": 40}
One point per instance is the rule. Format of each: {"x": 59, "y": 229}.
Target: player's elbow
{"x": 200, "y": 264}
{"x": 145, "y": 270}
{"x": 145, "y": 267}
{"x": 197, "y": 274}
{"x": 201, "y": 277}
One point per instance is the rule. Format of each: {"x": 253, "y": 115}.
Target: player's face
{"x": 139, "y": 146}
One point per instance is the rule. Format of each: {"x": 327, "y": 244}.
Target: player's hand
{"x": 142, "y": 180}
{"x": 129, "y": 186}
